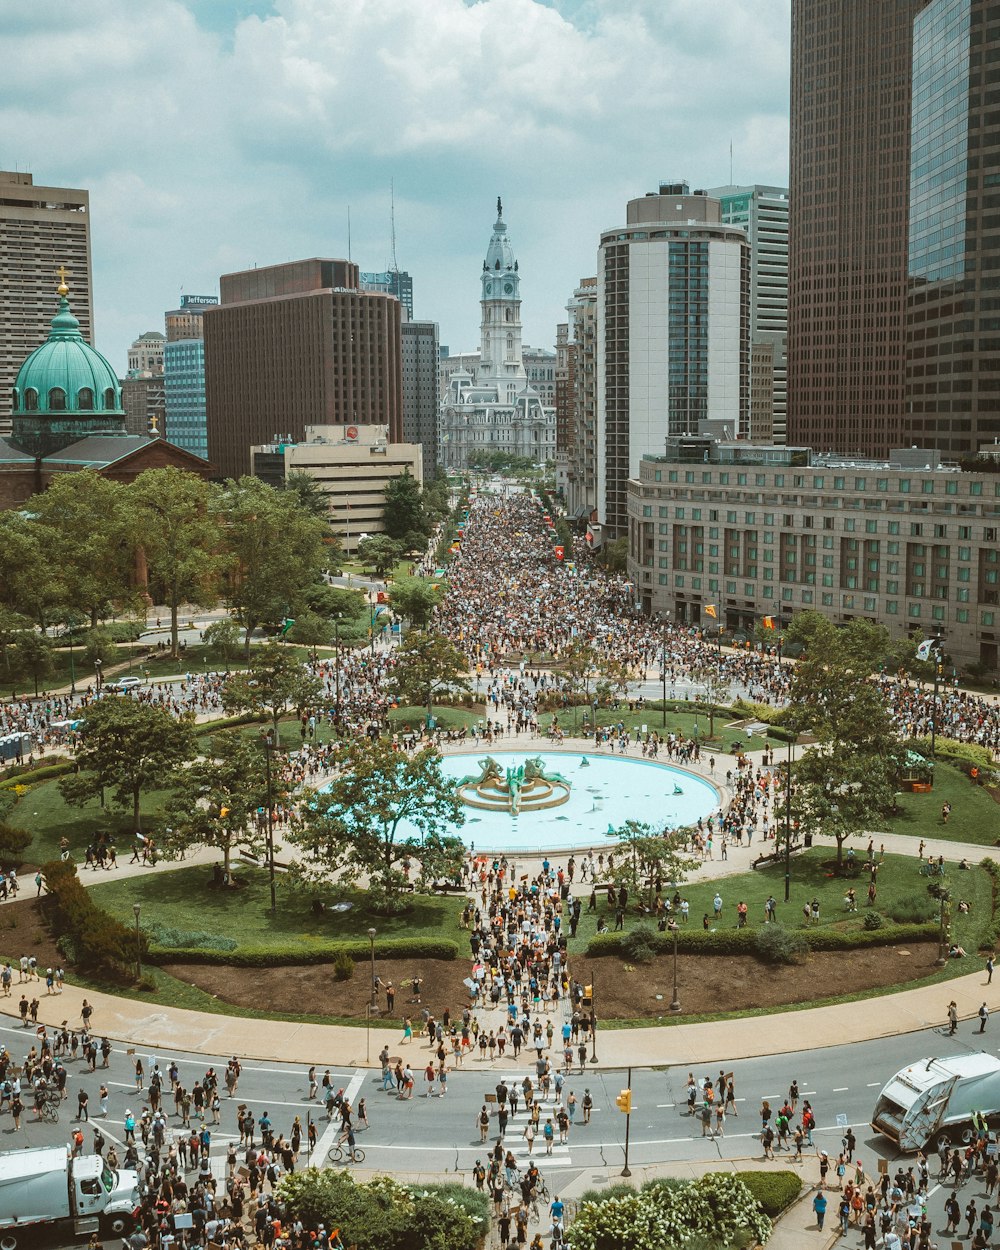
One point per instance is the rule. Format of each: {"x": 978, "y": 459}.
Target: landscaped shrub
{"x": 382, "y": 1212}
{"x": 97, "y": 940}
{"x": 639, "y": 944}
{"x": 25, "y": 775}
{"x": 343, "y": 967}
{"x": 913, "y": 908}
{"x": 775, "y": 944}
{"x": 317, "y": 952}
{"x": 773, "y": 1191}
{"x": 13, "y": 842}
{"x": 618, "y": 1190}
{"x": 963, "y": 755}
{"x": 873, "y": 920}
{"x": 174, "y": 939}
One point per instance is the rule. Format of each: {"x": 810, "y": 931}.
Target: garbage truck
{"x": 44, "y": 1189}
{"x": 933, "y": 1102}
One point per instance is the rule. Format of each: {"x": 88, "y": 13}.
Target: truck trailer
{"x": 43, "y": 1187}
{"x": 931, "y": 1103}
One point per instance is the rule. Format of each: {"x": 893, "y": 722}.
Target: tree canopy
{"x": 427, "y": 663}
{"x": 274, "y": 681}
{"x": 129, "y": 747}
{"x": 356, "y": 826}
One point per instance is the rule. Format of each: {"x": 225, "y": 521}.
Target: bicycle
{"x": 48, "y": 1108}
{"x": 337, "y": 1154}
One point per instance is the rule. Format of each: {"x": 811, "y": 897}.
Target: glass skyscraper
{"x": 184, "y": 384}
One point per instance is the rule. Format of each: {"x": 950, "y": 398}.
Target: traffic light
{"x": 624, "y": 1101}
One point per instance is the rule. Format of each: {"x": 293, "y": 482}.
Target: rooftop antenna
{"x": 392, "y": 223}
{"x": 730, "y": 162}
{"x": 348, "y": 233}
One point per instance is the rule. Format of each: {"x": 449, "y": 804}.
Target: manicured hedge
{"x": 774, "y": 1192}
{"x": 743, "y": 941}
{"x": 22, "y": 775}
{"x": 100, "y": 942}
{"x": 303, "y": 953}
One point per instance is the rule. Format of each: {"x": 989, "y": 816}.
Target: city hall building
{"x": 770, "y": 531}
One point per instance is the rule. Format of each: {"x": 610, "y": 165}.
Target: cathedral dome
{"x": 500, "y": 254}
{"x": 66, "y": 375}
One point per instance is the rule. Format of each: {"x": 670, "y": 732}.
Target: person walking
{"x": 483, "y": 1121}
{"x": 952, "y": 1018}
{"x": 984, "y": 1015}
{"x": 989, "y": 970}
{"x": 819, "y": 1207}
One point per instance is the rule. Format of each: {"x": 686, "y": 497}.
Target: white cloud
{"x": 209, "y": 147}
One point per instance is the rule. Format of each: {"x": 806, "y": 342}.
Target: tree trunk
{"x": 175, "y": 646}
{"x": 136, "y": 818}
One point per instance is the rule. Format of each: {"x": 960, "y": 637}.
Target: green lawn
{"x": 181, "y": 899}
{"x": 975, "y": 816}
{"x": 688, "y": 723}
{"x": 810, "y": 878}
{"x": 45, "y": 814}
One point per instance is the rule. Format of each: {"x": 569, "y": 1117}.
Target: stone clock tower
{"x": 500, "y": 362}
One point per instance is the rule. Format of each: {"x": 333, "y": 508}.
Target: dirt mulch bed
{"x": 707, "y": 983}
{"x": 23, "y": 931}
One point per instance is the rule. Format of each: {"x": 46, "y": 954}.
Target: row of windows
{"x": 859, "y": 485}
{"x": 57, "y": 399}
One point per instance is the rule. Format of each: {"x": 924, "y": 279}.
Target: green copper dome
{"x": 66, "y": 375}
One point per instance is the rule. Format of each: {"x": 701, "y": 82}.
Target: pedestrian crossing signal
{"x": 624, "y": 1101}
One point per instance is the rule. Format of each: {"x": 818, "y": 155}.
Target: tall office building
{"x": 420, "y": 389}
{"x": 673, "y": 303}
{"x": 395, "y": 282}
{"x": 298, "y": 344}
{"x": 581, "y": 473}
{"x": 42, "y": 229}
{"x": 184, "y": 374}
{"x": 848, "y": 242}
{"x": 565, "y": 380}
{"x": 763, "y": 214}
{"x": 142, "y": 387}
{"x": 952, "y": 331}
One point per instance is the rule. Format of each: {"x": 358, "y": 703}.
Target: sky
{"x": 214, "y": 135}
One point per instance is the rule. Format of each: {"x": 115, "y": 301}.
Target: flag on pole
{"x": 924, "y": 650}
{"x": 768, "y": 622}
{"x": 710, "y": 611}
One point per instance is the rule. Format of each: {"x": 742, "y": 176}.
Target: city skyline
{"x": 214, "y": 137}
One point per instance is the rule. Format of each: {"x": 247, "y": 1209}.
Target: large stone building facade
{"x": 495, "y": 407}
{"x": 769, "y": 531}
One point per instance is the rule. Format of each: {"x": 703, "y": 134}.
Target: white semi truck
{"x": 43, "y": 1187}
{"x": 931, "y": 1103}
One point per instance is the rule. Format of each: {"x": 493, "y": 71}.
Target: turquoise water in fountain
{"x": 605, "y": 790}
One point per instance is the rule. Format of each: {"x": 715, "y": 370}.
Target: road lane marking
{"x": 842, "y": 1089}
{"x": 332, "y": 1129}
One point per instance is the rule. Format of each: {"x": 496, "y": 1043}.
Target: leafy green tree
{"x": 311, "y": 496}
{"x": 414, "y": 599}
{"x": 426, "y": 664}
{"x": 846, "y": 782}
{"x": 404, "y": 512}
{"x": 435, "y": 496}
{"x": 99, "y": 645}
{"x": 715, "y": 687}
{"x": 648, "y": 855}
{"x": 130, "y": 747}
{"x": 30, "y": 585}
{"x": 35, "y": 656}
{"x": 87, "y": 527}
{"x": 279, "y": 549}
{"x": 379, "y": 553}
{"x": 353, "y": 828}
{"x": 218, "y": 801}
{"x": 580, "y": 667}
{"x": 12, "y": 628}
{"x": 274, "y": 682}
{"x": 224, "y": 638}
{"x": 179, "y": 528}
{"x": 311, "y": 630}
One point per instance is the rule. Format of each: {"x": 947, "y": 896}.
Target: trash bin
{"x": 807, "y": 840}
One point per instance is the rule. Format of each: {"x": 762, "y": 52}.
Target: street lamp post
{"x": 593, "y": 1027}
{"x": 675, "y": 1002}
{"x": 98, "y": 665}
{"x": 336, "y": 671}
{"x": 942, "y": 958}
{"x": 138, "y": 943}
{"x": 788, "y": 819}
{"x": 938, "y": 655}
{"x": 267, "y": 742}
{"x": 371, "y": 939}
{"x": 663, "y": 666}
